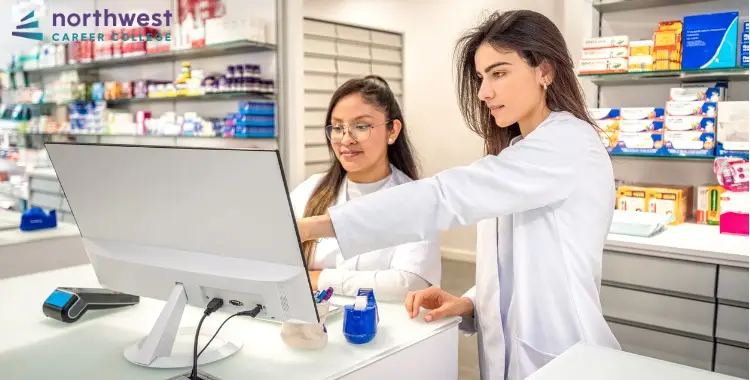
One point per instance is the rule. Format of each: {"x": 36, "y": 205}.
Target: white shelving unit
{"x": 680, "y": 296}
{"x": 335, "y": 53}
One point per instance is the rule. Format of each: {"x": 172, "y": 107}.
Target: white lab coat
{"x": 543, "y": 208}
{"x": 396, "y": 269}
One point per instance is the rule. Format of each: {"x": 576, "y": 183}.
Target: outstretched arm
{"x": 538, "y": 171}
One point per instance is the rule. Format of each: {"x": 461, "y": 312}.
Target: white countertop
{"x": 585, "y": 362}
{"x": 687, "y": 241}
{"x": 36, "y": 347}
{"x": 16, "y": 236}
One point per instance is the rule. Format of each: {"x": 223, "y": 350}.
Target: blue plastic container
{"x": 35, "y": 219}
{"x": 361, "y": 326}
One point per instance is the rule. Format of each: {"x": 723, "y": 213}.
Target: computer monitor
{"x": 185, "y": 225}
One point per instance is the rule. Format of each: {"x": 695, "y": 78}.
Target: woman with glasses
{"x": 542, "y": 198}
{"x": 371, "y": 151}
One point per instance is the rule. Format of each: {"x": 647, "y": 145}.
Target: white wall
{"x": 430, "y": 29}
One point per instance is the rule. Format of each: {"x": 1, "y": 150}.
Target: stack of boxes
{"x": 697, "y": 42}
{"x": 631, "y": 131}
{"x": 744, "y": 45}
{"x": 605, "y": 55}
{"x": 696, "y": 122}
{"x": 690, "y": 121}
{"x": 641, "y": 58}
{"x": 674, "y": 201}
{"x": 667, "y": 52}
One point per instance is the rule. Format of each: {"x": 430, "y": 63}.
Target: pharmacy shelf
{"x": 205, "y": 97}
{"x": 662, "y": 77}
{"x": 214, "y": 50}
{"x": 668, "y": 158}
{"x": 604, "y": 6}
{"x": 105, "y": 135}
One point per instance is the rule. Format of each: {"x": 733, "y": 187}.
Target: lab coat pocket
{"x": 308, "y": 336}
{"x": 530, "y": 359}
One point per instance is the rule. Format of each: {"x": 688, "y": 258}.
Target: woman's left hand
{"x": 314, "y": 275}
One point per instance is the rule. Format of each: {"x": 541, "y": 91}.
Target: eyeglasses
{"x": 358, "y": 132}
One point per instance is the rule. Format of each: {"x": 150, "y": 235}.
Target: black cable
{"x": 213, "y": 305}
{"x": 251, "y": 313}
{"x": 194, "y": 372}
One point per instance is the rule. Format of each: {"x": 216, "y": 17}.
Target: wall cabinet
{"x": 685, "y": 311}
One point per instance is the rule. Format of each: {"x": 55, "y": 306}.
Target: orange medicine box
{"x": 674, "y": 201}
{"x": 708, "y": 209}
{"x": 632, "y": 198}
{"x": 667, "y": 50}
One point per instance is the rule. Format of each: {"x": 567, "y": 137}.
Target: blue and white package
{"x": 710, "y": 41}
{"x": 604, "y": 113}
{"x": 745, "y": 44}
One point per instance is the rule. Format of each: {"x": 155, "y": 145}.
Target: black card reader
{"x": 69, "y": 304}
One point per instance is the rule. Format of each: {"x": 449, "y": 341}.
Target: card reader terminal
{"x": 69, "y": 304}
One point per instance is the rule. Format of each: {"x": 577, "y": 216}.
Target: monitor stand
{"x": 156, "y": 349}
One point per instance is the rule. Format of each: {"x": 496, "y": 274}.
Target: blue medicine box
{"x": 744, "y": 44}
{"x": 710, "y": 41}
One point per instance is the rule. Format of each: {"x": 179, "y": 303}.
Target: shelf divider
{"x": 605, "y": 6}
{"x": 214, "y": 50}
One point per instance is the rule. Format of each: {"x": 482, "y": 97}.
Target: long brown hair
{"x": 537, "y": 40}
{"x": 376, "y": 92}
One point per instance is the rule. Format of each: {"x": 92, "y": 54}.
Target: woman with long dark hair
{"x": 370, "y": 149}
{"x": 543, "y": 198}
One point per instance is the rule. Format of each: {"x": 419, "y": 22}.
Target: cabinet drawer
{"x": 317, "y": 100}
{"x": 385, "y": 54}
{"x": 343, "y": 78}
{"x": 732, "y": 361}
{"x": 315, "y": 118}
{"x": 46, "y": 201}
{"x": 320, "y": 82}
{"x": 387, "y": 71}
{"x": 352, "y": 34}
{"x": 317, "y": 154}
{"x": 318, "y": 28}
{"x": 311, "y": 169}
{"x": 320, "y": 65}
{"x": 659, "y": 273}
{"x": 319, "y": 46}
{"x": 388, "y": 39}
{"x": 674, "y": 313}
{"x": 672, "y": 348}
{"x": 351, "y": 50}
{"x": 733, "y": 284}
{"x": 352, "y": 68}
{"x": 315, "y": 135}
{"x": 731, "y": 323}
{"x": 66, "y": 217}
{"x": 48, "y": 186}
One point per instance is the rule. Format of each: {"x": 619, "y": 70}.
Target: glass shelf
{"x": 206, "y": 97}
{"x": 615, "y": 156}
{"x": 657, "y": 77}
{"x": 214, "y": 50}
{"x": 604, "y": 6}
{"x": 45, "y": 134}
